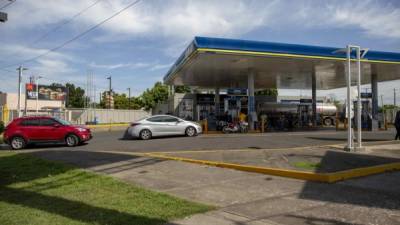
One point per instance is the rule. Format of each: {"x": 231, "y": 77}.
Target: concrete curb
{"x": 302, "y": 175}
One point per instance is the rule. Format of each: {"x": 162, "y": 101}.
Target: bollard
{"x": 337, "y": 123}
{"x": 385, "y": 121}
{"x": 262, "y": 125}
{"x": 205, "y": 126}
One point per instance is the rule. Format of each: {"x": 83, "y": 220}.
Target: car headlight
{"x": 80, "y": 129}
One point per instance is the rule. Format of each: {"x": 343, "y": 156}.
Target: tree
{"x": 157, "y": 94}
{"x": 121, "y": 101}
{"x": 268, "y": 92}
{"x": 75, "y": 96}
{"x": 182, "y": 89}
{"x": 387, "y": 107}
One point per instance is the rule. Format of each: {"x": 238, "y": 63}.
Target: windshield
{"x": 63, "y": 122}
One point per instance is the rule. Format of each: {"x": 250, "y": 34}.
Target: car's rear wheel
{"x": 190, "y": 131}
{"x": 145, "y": 134}
{"x": 17, "y": 143}
{"x": 71, "y": 140}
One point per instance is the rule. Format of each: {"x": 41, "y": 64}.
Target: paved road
{"x": 113, "y": 141}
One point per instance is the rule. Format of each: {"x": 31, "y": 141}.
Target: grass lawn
{"x": 36, "y": 191}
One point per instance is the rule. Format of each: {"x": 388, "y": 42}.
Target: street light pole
{"x": 129, "y": 98}
{"x": 359, "y": 141}
{"x": 360, "y": 53}
{"x": 109, "y": 92}
{"x": 349, "y": 128}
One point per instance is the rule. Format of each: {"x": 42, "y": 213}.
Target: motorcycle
{"x": 241, "y": 127}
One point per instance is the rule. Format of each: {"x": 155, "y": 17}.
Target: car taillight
{"x": 134, "y": 124}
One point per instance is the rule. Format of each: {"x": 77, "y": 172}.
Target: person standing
{"x": 397, "y": 125}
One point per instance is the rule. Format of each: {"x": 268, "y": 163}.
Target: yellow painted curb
{"x": 361, "y": 172}
{"x": 302, "y": 175}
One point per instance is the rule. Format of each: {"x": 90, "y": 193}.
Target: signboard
{"x": 46, "y": 92}
{"x": 236, "y": 91}
{"x": 306, "y": 100}
{"x": 366, "y": 95}
{"x": 3, "y": 17}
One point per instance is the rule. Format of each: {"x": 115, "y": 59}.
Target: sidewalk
{"x": 248, "y": 198}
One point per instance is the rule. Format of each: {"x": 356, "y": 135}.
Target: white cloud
{"x": 169, "y": 18}
{"x": 375, "y": 18}
{"x": 20, "y": 52}
{"x": 160, "y": 66}
{"x": 120, "y": 65}
{"x": 153, "y": 66}
{"x": 181, "y": 20}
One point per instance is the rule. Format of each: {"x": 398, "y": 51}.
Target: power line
{"x": 77, "y": 36}
{"x": 58, "y": 27}
{"x": 8, "y": 4}
{"x": 62, "y": 24}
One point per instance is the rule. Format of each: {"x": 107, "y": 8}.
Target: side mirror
{"x": 56, "y": 125}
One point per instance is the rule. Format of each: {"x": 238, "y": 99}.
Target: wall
{"x": 81, "y": 116}
{"x": 11, "y": 99}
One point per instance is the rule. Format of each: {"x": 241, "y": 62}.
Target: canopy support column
{"x": 251, "y": 101}
{"x": 314, "y": 98}
{"x": 375, "y": 93}
{"x": 217, "y": 103}
{"x": 374, "y": 90}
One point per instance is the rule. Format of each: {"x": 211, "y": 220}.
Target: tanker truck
{"x": 301, "y": 112}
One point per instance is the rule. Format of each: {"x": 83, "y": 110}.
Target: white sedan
{"x": 163, "y": 125}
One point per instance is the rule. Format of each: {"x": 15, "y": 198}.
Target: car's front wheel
{"x": 190, "y": 132}
{"x": 17, "y": 143}
{"x": 71, "y": 140}
{"x": 145, "y": 134}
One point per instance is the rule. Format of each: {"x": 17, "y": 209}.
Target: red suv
{"x": 44, "y": 129}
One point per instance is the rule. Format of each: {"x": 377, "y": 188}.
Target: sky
{"x": 138, "y": 46}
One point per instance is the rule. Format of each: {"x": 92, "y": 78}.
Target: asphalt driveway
{"x": 115, "y": 141}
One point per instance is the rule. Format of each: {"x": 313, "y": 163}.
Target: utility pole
{"x": 109, "y": 92}
{"x": 31, "y": 78}
{"x": 394, "y": 97}
{"x": 129, "y": 98}
{"x": 20, "y": 69}
{"x": 37, "y": 94}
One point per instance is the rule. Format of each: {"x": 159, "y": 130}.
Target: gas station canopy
{"x": 226, "y": 63}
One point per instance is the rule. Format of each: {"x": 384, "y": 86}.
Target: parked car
{"x": 163, "y": 125}
{"x": 44, "y": 129}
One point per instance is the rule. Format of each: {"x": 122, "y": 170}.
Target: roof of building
{"x": 246, "y": 48}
